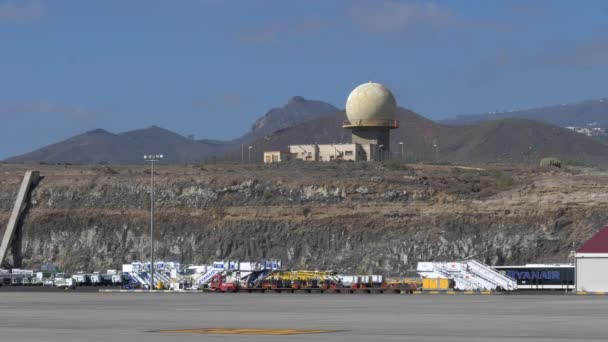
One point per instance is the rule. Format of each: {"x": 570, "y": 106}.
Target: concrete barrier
{"x": 29, "y": 178}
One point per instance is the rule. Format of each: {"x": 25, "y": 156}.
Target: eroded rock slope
{"x": 373, "y": 218}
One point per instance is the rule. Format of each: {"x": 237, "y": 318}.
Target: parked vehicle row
{"x": 17, "y": 277}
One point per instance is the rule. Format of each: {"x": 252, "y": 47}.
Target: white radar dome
{"x": 370, "y": 102}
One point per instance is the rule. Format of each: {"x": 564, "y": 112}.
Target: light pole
{"x": 250, "y": 147}
{"x": 401, "y": 143}
{"x": 152, "y": 158}
{"x": 381, "y": 151}
{"x": 436, "y": 147}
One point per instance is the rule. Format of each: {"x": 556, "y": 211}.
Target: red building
{"x": 592, "y": 264}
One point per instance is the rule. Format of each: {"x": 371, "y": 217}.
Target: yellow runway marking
{"x": 228, "y": 331}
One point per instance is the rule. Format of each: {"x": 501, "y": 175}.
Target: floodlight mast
{"x": 152, "y": 158}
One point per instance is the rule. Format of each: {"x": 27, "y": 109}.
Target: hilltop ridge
{"x": 302, "y": 121}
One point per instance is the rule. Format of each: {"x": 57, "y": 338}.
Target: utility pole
{"x": 436, "y": 148}
{"x": 152, "y": 159}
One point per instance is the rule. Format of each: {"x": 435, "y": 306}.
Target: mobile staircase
{"x": 141, "y": 279}
{"x": 255, "y": 278}
{"x": 462, "y": 280}
{"x": 499, "y": 280}
{"x": 136, "y": 276}
{"x": 468, "y": 275}
{"x": 162, "y": 276}
{"x": 202, "y": 280}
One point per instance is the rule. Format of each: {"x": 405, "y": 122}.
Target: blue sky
{"x": 211, "y": 67}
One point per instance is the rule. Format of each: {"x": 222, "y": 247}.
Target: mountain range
{"x": 101, "y": 146}
{"x": 506, "y": 140}
{"x": 593, "y": 113}
{"x": 523, "y": 136}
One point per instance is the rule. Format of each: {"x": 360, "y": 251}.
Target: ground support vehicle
{"x": 61, "y": 280}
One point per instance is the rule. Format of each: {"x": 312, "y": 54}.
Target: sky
{"x": 209, "y": 68}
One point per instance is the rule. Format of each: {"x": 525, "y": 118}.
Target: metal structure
{"x": 468, "y": 275}
{"x": 152, "y": 158}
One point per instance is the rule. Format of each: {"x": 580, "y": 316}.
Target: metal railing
{"x": 371, "y": 123}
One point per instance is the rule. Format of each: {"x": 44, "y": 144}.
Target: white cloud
{"x": 21, "y": 12}
{"x": 273, "y": 33}
{"x": 392, "y": 16}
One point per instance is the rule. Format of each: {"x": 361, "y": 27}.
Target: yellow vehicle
{"x": 302, "y": 279}
{"x": 437, "y": 284}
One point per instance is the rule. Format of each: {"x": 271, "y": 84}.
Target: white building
{"x": 592, "y": 264}
{"x": 330, "y": 152}
{"x": 588, "y": 131}
{"x": 304, "y": 152}
{"x": 276, "y": 156}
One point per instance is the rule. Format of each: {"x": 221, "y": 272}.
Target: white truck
{"x": 62, "y": 281}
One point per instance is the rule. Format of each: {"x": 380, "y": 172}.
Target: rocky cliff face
{"x": 370, "y": 218}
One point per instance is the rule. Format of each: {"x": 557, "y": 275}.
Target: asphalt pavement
{"x": 79, "y": 316}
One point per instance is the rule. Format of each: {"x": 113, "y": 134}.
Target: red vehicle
{"x": 218, "y": 284}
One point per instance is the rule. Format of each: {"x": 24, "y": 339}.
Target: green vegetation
{"x": 551, "y": 162}
{"x": 395, "y": 165}
{"x": 109, "y": 171}
{"x": 306, "y": 211}
{"x": 499, "y": 180}
{"x": 267, "y": 194}
{"x": 147, "y": 202}
{"x": 574, "y": 163}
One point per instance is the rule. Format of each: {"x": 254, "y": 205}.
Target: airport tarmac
{"x": 80, "y": 316}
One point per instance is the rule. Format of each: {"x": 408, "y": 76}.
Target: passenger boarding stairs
{"x": 140, "y": 279}
{"x": 461, "y": 281}
{"x": 470, "y": 275}
{"x": 483, "y": 271}
{"x": 257, "y": 277}
{"x": 205, "y": 278}
{"x": 162, "y": 277}
{"x": 139, "y": 273}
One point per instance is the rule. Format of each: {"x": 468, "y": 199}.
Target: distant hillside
{"x": 303, "y": 121}
{"x": 100, "y": 146}
{"x": 584, "y": 114}
{"x": 509, "y": 140}
{"x": 297, "y": 110}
